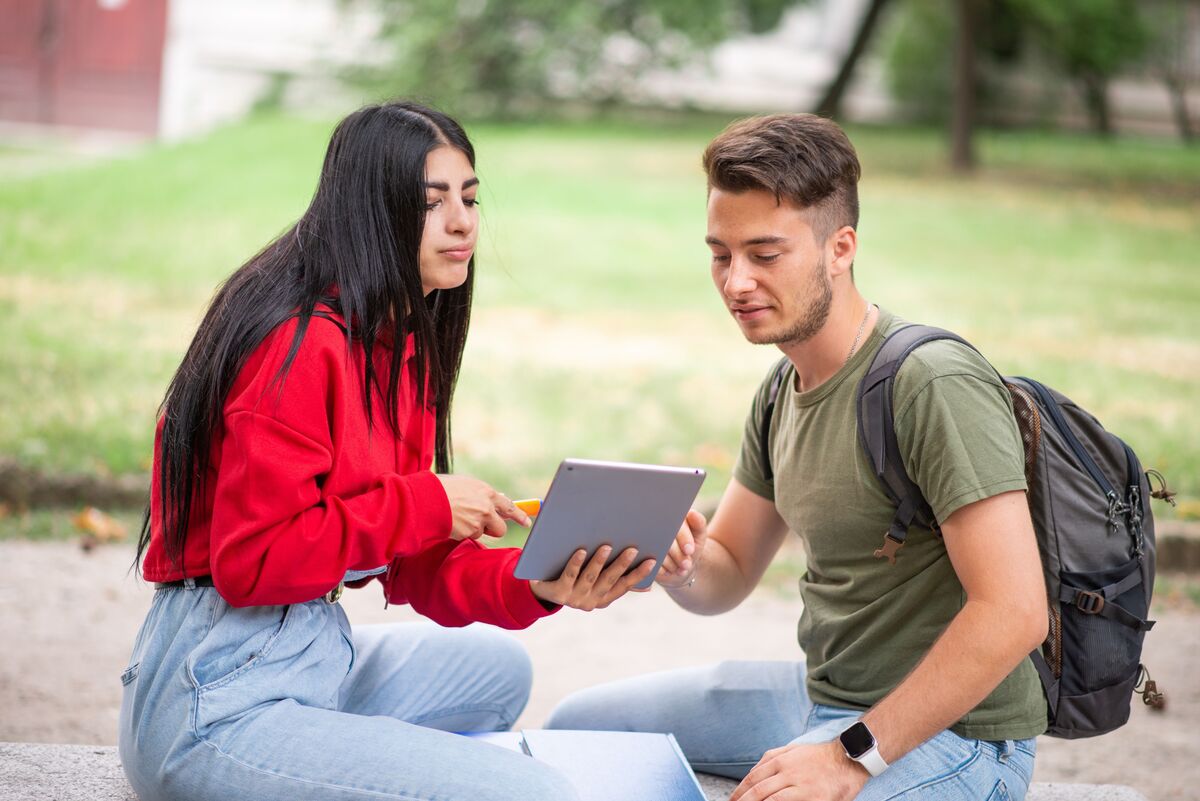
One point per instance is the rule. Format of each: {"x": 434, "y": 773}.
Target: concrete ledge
{"x": 39, "y": 771}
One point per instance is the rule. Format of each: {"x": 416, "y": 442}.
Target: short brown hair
{"x": 803, "y": 158}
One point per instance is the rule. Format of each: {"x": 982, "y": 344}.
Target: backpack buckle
{"x": 1090, "y": 603}
{"x": 890, "y": 546}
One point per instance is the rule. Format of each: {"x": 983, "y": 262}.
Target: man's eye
{"x": 719, "y": 258}
{"x": 767, "y": 258}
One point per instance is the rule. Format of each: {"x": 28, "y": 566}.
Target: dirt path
{"x": 70, "y": 618}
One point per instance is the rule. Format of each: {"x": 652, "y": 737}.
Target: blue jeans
{"x": 287, "y": 703}
{"x": 725, "y": 716}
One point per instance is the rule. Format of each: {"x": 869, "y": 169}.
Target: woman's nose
{"x": 461, "y": 219}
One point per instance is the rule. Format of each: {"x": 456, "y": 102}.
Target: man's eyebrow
{"x": 442, "y": 186}
{"x": 758, "y": 240}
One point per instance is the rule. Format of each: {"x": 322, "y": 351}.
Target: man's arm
{"x": 727, "y": 558}
{"x": 992, "y": 547}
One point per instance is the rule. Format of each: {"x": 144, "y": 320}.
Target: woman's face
{"x": 451, "y": 219}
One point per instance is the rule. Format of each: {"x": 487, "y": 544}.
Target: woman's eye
{"x": 470, "y": 202}
{"x": 430, "y": 205}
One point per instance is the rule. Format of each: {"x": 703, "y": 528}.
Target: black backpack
{"x": 1087, "y": 497}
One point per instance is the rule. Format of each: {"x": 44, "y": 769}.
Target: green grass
{"x": 597, "y": 331}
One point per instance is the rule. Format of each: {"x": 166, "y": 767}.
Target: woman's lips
{"x": 458, "y": 254}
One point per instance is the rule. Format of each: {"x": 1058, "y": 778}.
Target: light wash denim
{"x": 288, "y": 703}
{"x": 725, "y": 716}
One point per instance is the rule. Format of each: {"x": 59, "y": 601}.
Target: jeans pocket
{"x": 999, "y": 792}
{"x": 130, "y": 674}
{"x": 240, "y": 639}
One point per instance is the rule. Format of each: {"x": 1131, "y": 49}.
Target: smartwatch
{"x": 860, "y": 746}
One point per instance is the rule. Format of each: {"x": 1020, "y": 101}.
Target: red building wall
{"x": 85, "y": 63}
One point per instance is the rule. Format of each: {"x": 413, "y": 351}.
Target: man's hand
{"x": 819, "y": 772}
{"x": 683, "y": 560}
{"x": 595, "y": 586}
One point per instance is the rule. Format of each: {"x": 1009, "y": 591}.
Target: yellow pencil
{"x": 530, "y": 506}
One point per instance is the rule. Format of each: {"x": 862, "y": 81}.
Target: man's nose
{"x": 740, "y": 278}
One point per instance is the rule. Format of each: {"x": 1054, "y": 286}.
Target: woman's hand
{"x": 595, "y": 586}
{"x": 478, "y": 509}
{"x": 683, "y": 560}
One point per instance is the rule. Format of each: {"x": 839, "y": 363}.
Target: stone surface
{"x": 42, "y": 772}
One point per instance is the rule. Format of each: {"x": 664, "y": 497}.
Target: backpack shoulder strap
{"x": 764, "y": 432}
{"x": 877, "y": 432}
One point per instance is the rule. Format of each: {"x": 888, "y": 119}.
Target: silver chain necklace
{"x": 861, "y": 327}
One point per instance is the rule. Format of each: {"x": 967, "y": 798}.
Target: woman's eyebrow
{"x": 442, "y": 186}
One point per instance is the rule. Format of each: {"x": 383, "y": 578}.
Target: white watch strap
{"x": 873, "y": 762}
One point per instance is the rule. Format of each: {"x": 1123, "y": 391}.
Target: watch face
{"x": 857, "y": 740}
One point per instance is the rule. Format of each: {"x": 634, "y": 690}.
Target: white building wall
{"x": 223, "y": 56}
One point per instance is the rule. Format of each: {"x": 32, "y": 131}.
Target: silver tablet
{"x": 590, "y": 504}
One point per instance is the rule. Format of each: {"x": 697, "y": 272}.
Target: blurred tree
{"x": 965, "y": 85}
{"x": 1092, "y": 40}
{"x": 513, "y": 57}
{"x": 939, "y": 59}
{"x": 1170, "y": 24}
{"x": 830, "y": 104}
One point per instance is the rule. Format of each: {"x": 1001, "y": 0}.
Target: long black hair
{"x": 356, "y": 249}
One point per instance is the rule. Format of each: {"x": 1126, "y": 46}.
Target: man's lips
{"x": 748, "y": 312}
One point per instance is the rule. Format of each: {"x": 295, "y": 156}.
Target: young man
{"x": 917, "y": 677}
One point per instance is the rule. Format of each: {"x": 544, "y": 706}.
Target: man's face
{"x": 768, "y": 266}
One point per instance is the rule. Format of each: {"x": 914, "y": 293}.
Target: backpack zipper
{"x": 1135, "y": 509}
{"x": 1115, "y": 507}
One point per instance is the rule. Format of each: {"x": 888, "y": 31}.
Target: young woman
{"x": 293, "y": 457}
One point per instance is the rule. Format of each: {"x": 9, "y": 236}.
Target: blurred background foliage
{"x": 1066, "y": 256}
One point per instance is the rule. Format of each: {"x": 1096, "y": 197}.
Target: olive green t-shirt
{"x": 866, "y": 623}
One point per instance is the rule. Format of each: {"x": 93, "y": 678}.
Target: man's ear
{"x": 841, "y": 248}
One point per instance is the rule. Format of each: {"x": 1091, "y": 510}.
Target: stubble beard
{"x": 812, "y": 318}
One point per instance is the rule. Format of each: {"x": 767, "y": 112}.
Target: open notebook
{"x": 609, "y": 765}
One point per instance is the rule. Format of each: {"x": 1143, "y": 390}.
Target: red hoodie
{"x": 300, "y": 491}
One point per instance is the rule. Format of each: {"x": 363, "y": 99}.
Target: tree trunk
{"x": 830, "y": 104}
{"x": 1095, "y": 97}
{"x": 962, "y": 115}
{"x": 1177, "y": 89}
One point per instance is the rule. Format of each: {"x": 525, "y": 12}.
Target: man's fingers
{"x": 767, "y": 788}
{"x": 674, "y": 563}
{"x": 756, "y": 775}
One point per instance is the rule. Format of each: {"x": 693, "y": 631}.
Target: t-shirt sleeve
{"x": 956, "y": 429}
{"x": 749, "y": 469}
